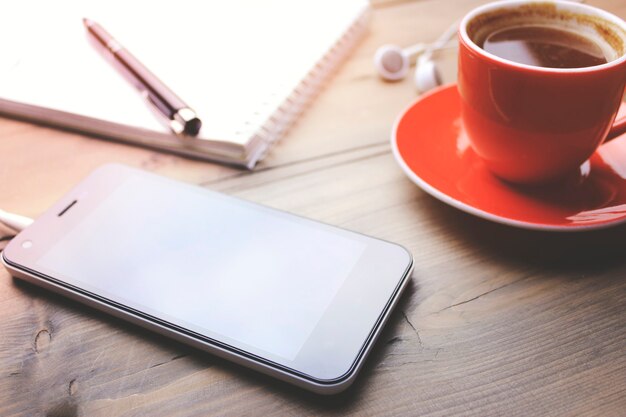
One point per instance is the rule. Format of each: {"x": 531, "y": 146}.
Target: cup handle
{"x": 619, "y": 125}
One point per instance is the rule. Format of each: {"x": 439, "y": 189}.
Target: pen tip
{"x": 87, "y": 22}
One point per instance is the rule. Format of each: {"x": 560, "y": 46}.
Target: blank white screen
{"x": 229, "y": 270}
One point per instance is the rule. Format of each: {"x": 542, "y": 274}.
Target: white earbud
{"x": 427, "y": 75}
{"x": 393, "y": 62}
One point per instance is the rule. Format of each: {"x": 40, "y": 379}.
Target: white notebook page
{"x": 232, "y": 61}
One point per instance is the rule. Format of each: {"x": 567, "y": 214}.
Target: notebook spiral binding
{"x": 278, "y": 123}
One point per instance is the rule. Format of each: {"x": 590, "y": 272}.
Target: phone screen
{"x": 249, "y": 276}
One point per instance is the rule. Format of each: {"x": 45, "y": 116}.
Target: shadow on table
{"x": 584, "y": 250}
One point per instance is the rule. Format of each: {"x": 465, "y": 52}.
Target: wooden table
{"x": 497, "y": 321}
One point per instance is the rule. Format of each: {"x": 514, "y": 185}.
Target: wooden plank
{"x": 496, "y": 317}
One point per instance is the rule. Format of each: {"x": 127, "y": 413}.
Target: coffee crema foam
{"x": 607, "y": 35}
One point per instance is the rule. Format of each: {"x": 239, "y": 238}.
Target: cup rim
{"x": 572, "y": 5}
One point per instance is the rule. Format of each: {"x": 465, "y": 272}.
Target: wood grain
{"x": 497, "y": 321}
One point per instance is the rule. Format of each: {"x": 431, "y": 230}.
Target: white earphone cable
{"x": 15, "y": 221}
{"x": 441, "y": 42}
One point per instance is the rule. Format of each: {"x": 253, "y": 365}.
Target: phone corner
{"x": 3, "y": 261}
{"x": 330, "y": 388}
{"x": 407, "y": 256}
{"x": 5, "y": 255}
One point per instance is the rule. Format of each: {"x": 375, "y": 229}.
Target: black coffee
{"x": 544, "y": 46}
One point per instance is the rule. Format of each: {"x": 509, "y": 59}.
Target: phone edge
{"x": 232, "y": 356}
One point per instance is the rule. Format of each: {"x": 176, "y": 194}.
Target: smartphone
{"x": 293, "y": 298}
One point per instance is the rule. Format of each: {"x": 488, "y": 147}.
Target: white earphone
{"x": 393, "y": 62}
{"x": 427, "y": 75}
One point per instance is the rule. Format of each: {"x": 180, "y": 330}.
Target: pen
{"x": 180, "y": 117}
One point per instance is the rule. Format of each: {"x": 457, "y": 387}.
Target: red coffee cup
{"x": 533, "y": 124}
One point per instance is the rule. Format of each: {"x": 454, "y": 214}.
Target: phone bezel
{"x": 97, "y": 186}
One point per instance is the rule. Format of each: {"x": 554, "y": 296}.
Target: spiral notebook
{"x": 248, "y": 68}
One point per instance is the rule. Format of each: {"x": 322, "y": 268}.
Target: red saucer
{"x": 430, "y": 145}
